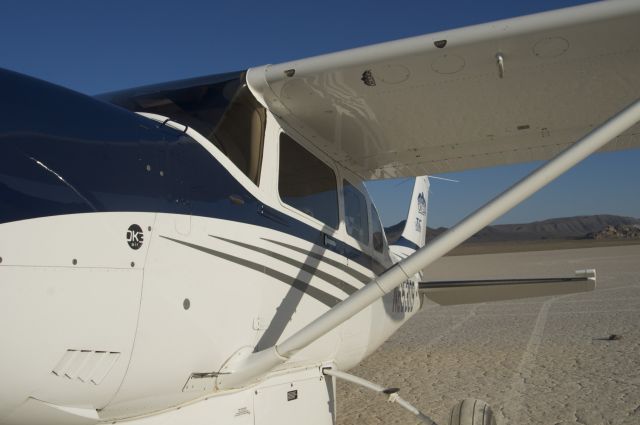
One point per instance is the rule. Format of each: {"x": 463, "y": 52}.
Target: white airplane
{"x": 204, "y": 251}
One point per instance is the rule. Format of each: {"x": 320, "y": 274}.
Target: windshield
{"x": 199, "y": 103}
{"x": 219, "y": 107}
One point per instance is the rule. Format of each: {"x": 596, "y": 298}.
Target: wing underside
{"x": 511, "y": 91}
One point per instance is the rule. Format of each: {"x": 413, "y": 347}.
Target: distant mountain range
{"x": 580, "y": 227}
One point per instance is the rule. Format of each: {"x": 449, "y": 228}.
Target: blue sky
{"x": 97, "y": 46}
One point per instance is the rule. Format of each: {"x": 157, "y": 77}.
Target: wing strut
{"x": 242, "y": 370}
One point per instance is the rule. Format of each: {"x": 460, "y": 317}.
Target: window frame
{"x": 385, "y": 243}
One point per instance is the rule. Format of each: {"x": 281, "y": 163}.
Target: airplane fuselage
{"x": 138, "y": 256}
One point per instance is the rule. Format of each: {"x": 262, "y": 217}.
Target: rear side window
{"x": 356, "y": 216}
{"x": 306, "y": 183}
{"x": 378, "y": 232}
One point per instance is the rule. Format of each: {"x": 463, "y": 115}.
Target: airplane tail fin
{"x": 415, "y": 229}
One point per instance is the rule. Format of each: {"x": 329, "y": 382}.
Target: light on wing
{"x": 409, "y": 107}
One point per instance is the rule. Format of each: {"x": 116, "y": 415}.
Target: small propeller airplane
{"x": 204, "y": 251}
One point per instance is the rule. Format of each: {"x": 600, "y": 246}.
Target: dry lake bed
{"x": 536, "y": 361}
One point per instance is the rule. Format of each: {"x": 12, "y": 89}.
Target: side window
{"x": 378, "y": 231}
{"x": 356, "y": 216}
{"x": 307, "y": 183}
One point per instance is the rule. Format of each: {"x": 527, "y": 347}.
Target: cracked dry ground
{"x": 536, "y": 361}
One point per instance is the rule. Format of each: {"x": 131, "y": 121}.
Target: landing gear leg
{"x": 391, "y": 392}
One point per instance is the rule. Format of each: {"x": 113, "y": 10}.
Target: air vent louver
{"x": 86, "y": 365}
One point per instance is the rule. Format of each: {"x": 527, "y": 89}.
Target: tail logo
{"x": 422, "y": 204}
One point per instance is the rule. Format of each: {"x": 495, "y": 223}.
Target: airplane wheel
{"x": 472, "y": 412}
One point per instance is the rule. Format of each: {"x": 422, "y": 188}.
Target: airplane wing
{"x": 510, "y": 91}
{"x": 479, "y": 291}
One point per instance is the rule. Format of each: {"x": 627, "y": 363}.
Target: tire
{"x": 472, "y": 412}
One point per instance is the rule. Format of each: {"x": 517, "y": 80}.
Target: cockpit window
{"x": 306, "y": 183}
{"x": 240, "y": 133}
{"x": 356, "y": 216}
{"x": 220, "y": 107}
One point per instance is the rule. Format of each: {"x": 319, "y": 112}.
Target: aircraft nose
{"x": 63, "y": 152}
{"x": 29, "y": 188}
{"x": 28, "y": 185}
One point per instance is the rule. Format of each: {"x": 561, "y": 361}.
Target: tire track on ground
{"x": 523, "y": 372}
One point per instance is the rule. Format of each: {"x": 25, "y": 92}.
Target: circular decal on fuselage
{"x": 135, "y": 237}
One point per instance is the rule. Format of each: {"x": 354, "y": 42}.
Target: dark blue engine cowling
{"x": 62, "y": 152}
